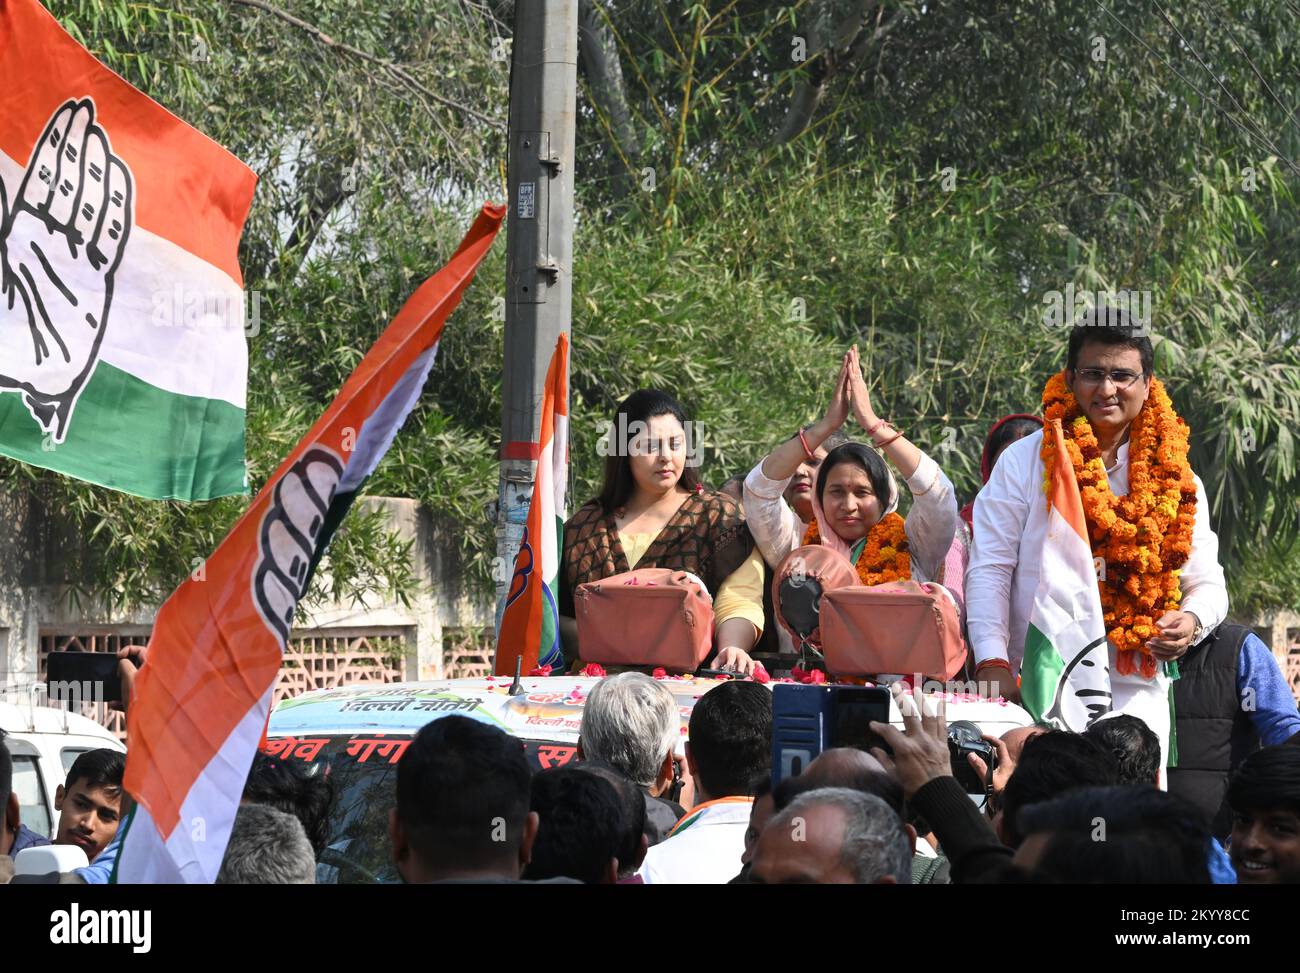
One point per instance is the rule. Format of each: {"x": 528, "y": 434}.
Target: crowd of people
{"x": 1062, "y": 807}
{"x": 1190, "y": 773}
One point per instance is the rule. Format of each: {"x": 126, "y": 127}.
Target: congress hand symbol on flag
{"x": 123, "y": 354}
{"x": 61, "y": 241}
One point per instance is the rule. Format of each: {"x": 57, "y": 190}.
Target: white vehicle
{"x": 43, "y": 742}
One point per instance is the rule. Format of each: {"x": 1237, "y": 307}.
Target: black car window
{"x": 363, "y": 769}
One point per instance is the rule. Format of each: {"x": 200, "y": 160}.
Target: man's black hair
{"x": 1135, "y": 746}
{"x": 760, "y": 786}
{"x": 580, "y": 826}
{"x": 1268, "y": 778}
{"x": 6, "y": 776}
{"x": 457, "y": 783}
{"x": 1052, "y": 764}
{"x": 1110, "y": 326}
{"x": 863, "y": 457}
{"x": 632, "y": 804}
{"x": 98, "y": 768}
{"x": 1120, "y": 835}
{"x": 730, "y": 737}
{"x": 642, "y": 405}
{"x": 287, "y": 786}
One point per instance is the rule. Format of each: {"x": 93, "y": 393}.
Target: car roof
{"x": 549, "y": 708}
{"x": 19, "y": 718}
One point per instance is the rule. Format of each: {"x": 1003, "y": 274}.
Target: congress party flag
{"x": 530, "y": 624}
{"x": 123, "y": 358}
{"x": 202, "y": 699}
{"x": 1065, "y": 675}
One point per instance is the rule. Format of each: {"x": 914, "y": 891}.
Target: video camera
{"x": 964, "y": 738}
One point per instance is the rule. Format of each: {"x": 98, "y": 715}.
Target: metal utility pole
{"x": 539, "y": 241}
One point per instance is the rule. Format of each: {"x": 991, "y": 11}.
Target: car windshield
{"x": 363, "y": 771}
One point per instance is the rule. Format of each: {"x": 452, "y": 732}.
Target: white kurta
{"x": 931, "y": 524}
{"x": 1010, "y": 530}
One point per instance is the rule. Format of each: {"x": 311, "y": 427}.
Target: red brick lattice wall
{"x": 316, "y": 660}
{"x": 467, "y": 653}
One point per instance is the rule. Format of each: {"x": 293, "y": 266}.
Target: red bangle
{"x": 995, "y": 663}
{"x": 871, "y": 433}
{"x": 896, "y": 435}
{"x": 812, "y": 457}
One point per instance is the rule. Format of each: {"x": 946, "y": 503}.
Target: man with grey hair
{"x": 267, "y": 847}
{"x": 631, "y": 723}
{"x": 833, "y": 836}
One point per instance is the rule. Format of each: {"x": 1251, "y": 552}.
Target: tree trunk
{"x": 598, "y": 56}
{"x": 830, "y": 46}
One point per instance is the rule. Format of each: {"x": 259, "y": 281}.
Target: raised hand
{"x": 837, "y": 412}
{"x": 61, "y": 241}
{"x": 860, "y": 399}
{"x": 921, "y": 750}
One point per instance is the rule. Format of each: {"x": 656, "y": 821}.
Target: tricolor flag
{"x": 1065, "y": 676}
{"x": 530, "y": 624}
{"x": 202, "y": 699}
{"x": 123, "y": 358}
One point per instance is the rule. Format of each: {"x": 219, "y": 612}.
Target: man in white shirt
{"x": 1109, "y": 370}
{"x": 729, "y": 747}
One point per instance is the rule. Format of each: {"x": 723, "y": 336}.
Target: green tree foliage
{"x": 760, "y": 184}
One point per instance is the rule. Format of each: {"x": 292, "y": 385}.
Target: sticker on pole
{"x": 527, "y": 200}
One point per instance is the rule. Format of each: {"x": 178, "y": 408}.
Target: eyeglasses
{"x": 1122, "y": 378}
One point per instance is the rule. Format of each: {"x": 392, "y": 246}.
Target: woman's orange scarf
{"x": 885, "y": 557}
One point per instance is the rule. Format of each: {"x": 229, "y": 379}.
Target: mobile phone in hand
{"x": 83, "y": 677}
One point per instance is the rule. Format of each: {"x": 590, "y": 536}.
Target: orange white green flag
{"x": 530, "y": 624}
{"x": 201, "y": 702}
{"x": 1065, "y": 675}
{"x": 123, "y": 356}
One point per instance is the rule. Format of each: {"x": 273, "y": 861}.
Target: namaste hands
{"x": 850, "y": 396}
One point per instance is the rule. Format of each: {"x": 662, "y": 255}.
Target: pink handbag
{"x": 647, "y": 617}
{"x": 901, "y": 627}
{"x": 799, "y": 584}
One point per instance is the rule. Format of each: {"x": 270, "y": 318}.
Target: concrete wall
{"x": 1280, "y": 631}
{"x": 32, "y": 605}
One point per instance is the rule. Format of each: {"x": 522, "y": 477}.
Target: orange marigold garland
{"x": 1144, "y": 537}
{"x": 885, "y": 557}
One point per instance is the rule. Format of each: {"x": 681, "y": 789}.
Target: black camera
{"x": 964, "y": 739}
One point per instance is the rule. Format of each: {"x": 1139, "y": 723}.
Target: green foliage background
{"x": 957, "y": 164}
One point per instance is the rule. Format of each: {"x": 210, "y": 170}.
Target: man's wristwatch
{"x": 1197, "y": 633}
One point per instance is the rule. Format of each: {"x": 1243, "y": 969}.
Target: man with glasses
{"x": 1109, "y": 372}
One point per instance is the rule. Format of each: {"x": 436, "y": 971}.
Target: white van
{"x": 43, "y": 742}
